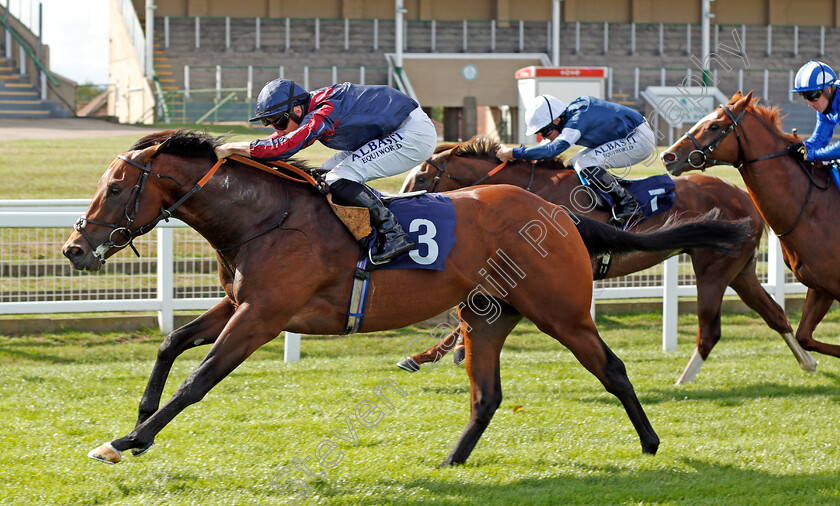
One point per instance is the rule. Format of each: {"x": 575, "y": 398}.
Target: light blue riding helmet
{"x": 814, "y": 75}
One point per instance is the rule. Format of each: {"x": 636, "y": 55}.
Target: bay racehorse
{"x": 286, "y": 263}
{"x": 474, "y": 161}
{"x": 797, "y": 199}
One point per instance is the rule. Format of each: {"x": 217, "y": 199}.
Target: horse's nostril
{"x": 669, "y": 157}
{"x": 73, "y": 252}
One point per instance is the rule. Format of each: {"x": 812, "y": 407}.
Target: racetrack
{"x": 14, "y": 129}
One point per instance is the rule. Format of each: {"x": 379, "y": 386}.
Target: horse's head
{"x": 453, "y": 166}
{"x": 711, "y": 141}
{"x": 131, "y": 198}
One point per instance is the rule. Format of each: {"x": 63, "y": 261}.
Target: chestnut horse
{"x": 796, "y": 199}
{"x": 286, "y": 263}
{"x": 460, "y": 165}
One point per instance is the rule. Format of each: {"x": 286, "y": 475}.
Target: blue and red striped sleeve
{"x": 313, "y": 126}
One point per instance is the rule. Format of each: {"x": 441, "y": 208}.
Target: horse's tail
{"x": 704, "y": 231}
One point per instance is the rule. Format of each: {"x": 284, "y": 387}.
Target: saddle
{"x": 357, "y": 219}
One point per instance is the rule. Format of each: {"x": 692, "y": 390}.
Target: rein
{"x": 165, "y": 213}
{"x": 739, "y": 161}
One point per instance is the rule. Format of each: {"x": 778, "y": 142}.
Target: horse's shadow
{"x": 685, "y": 481}
{"x": 732, "y": 396}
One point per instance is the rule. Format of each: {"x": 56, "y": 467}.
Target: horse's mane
{"x": 770, "y": 116}
{"x": 193, "y": 143}
{"x": 181, "y": 142}
{"x": 485, "y": 147}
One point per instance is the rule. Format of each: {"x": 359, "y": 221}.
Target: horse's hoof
{"x": 141, "y": 451}
{"x": 650, "y": 448}
{"x": 408, "y": 364}
{"x": 458, "y": 356}
{"x": 106, "y": 453}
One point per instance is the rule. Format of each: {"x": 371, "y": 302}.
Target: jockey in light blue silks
{"x": 613, "y": 136}
{"x": 816, "y": 82}
{"x": 378, "y": 132}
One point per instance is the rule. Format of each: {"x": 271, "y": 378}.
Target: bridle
{"x": 739, "y": 161}
{"x": 133, "y": 204}
{"x": 441, "y": 171}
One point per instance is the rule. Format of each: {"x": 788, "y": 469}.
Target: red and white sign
{"x": 531, "y": 72}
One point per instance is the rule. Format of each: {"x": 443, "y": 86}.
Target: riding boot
{"x": 394, "y": 240}
{"x": 625, "y": 205}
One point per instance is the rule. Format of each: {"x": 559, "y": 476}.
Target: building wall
{"x": 133, "y": 101}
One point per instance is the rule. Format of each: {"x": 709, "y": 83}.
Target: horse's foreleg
{"x": 203, "y": 330}
{"x": 582, "y": 339}
{"x": 814, "y": 309}
{"x": 243, "y": 334}
{"x": 749, "y": 289}
{"x": 483, "y": 344}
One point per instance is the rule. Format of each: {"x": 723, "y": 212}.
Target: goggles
{"x": 278, "y": 121}
{"x": 546, "y": 130}
{"x": 811, "y": 96}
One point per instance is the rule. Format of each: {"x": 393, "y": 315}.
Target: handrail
{"x": 216, "y": 107}
{"x": 29, "y": 52}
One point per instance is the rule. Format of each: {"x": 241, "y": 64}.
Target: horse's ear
{"x": 743, "y": 101}
{"x": 144, "y": 155}
{"x": 737, "y": 96}
{"x": 749, "y": 97}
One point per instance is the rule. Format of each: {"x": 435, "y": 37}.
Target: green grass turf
{"x": 753, "y": 428}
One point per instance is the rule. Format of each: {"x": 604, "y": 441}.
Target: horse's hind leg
{"x": 813, "y": 311}
{"x": 433, "y": 354}
{"x": 578, "y": 334}
{"x": 484, "y": 342}
{"x": 749, "y": 289}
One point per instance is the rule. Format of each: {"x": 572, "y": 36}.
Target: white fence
{"x": 177, "y": 271}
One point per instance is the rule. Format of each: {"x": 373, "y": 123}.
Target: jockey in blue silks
{"x": 613, "y": 136}
{"x": 377, "y": 130}
{"x": 816, "y": 82}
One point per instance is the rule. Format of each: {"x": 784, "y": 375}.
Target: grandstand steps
{"x": 20, "y": 99}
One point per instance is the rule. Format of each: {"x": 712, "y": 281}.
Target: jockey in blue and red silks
{"x": 378, "y": 132}
{"x": 816, "y": 82}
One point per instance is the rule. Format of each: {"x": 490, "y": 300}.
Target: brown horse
{"x": 749, "y": 136}
{"x": 460, "y": 165}
{"x": 286, "y": 263}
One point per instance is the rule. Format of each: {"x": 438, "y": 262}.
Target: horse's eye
{"x": 114, "y": 190}
{"x": 421, "y": 179}
{"x": 714, "y": 126}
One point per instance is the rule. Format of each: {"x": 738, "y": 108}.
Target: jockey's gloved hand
{"x": 797, "y": 151}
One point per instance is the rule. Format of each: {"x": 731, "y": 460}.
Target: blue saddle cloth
{"x": 430, "y": 221}
{"x": 655, "y": 193}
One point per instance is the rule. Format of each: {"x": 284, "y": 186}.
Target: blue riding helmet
{"x": 279, "y": 95}
{"x": 814, "y": 75}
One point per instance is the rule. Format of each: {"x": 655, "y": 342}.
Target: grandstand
{"x": 27, "y": 88}
{"x": 211, "y": 58}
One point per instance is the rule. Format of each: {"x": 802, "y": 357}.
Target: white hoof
{"x": 806, "y": 361}
{"x": 106, "y": 453}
